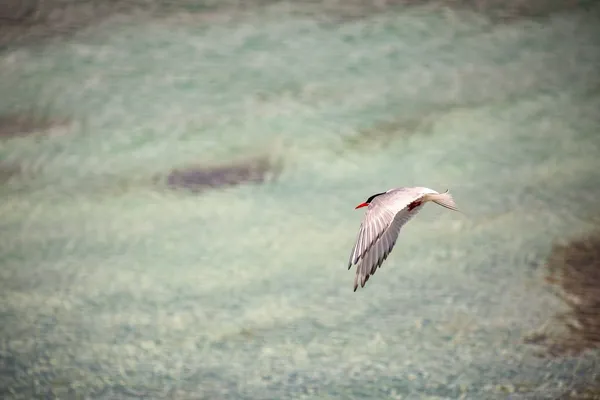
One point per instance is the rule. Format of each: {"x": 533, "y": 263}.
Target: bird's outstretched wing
{"x": 375, "y": 222}
{"x": 376, "y": 238}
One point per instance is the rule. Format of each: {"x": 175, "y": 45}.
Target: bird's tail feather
{"x": 443, "y": 199}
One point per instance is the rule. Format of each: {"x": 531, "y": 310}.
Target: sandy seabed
{"x": 115, "y": 286}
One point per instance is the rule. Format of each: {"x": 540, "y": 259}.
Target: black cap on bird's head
{"x": 369, "y": 200}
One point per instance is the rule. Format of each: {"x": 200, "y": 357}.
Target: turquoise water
{"x": 114, "y": 286}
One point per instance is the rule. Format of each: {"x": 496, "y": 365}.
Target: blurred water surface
{"x": 114, "y": 286}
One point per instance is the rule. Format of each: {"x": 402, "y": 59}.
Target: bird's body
{"x": 386, "y": 214}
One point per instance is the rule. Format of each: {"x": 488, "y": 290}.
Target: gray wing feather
{"x": 376, "y": 239}
{"x": 374, "y": 224}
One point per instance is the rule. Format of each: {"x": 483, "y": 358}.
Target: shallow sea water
{"x": 113, "y": 286}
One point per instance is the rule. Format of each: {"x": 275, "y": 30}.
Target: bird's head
{"x": 369, "y": 200}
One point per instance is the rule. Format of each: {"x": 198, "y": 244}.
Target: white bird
{"x": 379, "y": 230}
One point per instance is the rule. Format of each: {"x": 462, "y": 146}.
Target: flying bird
{"x": 386, "y": 214}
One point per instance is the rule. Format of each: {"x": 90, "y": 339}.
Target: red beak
{"x": 361, "y": 205}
